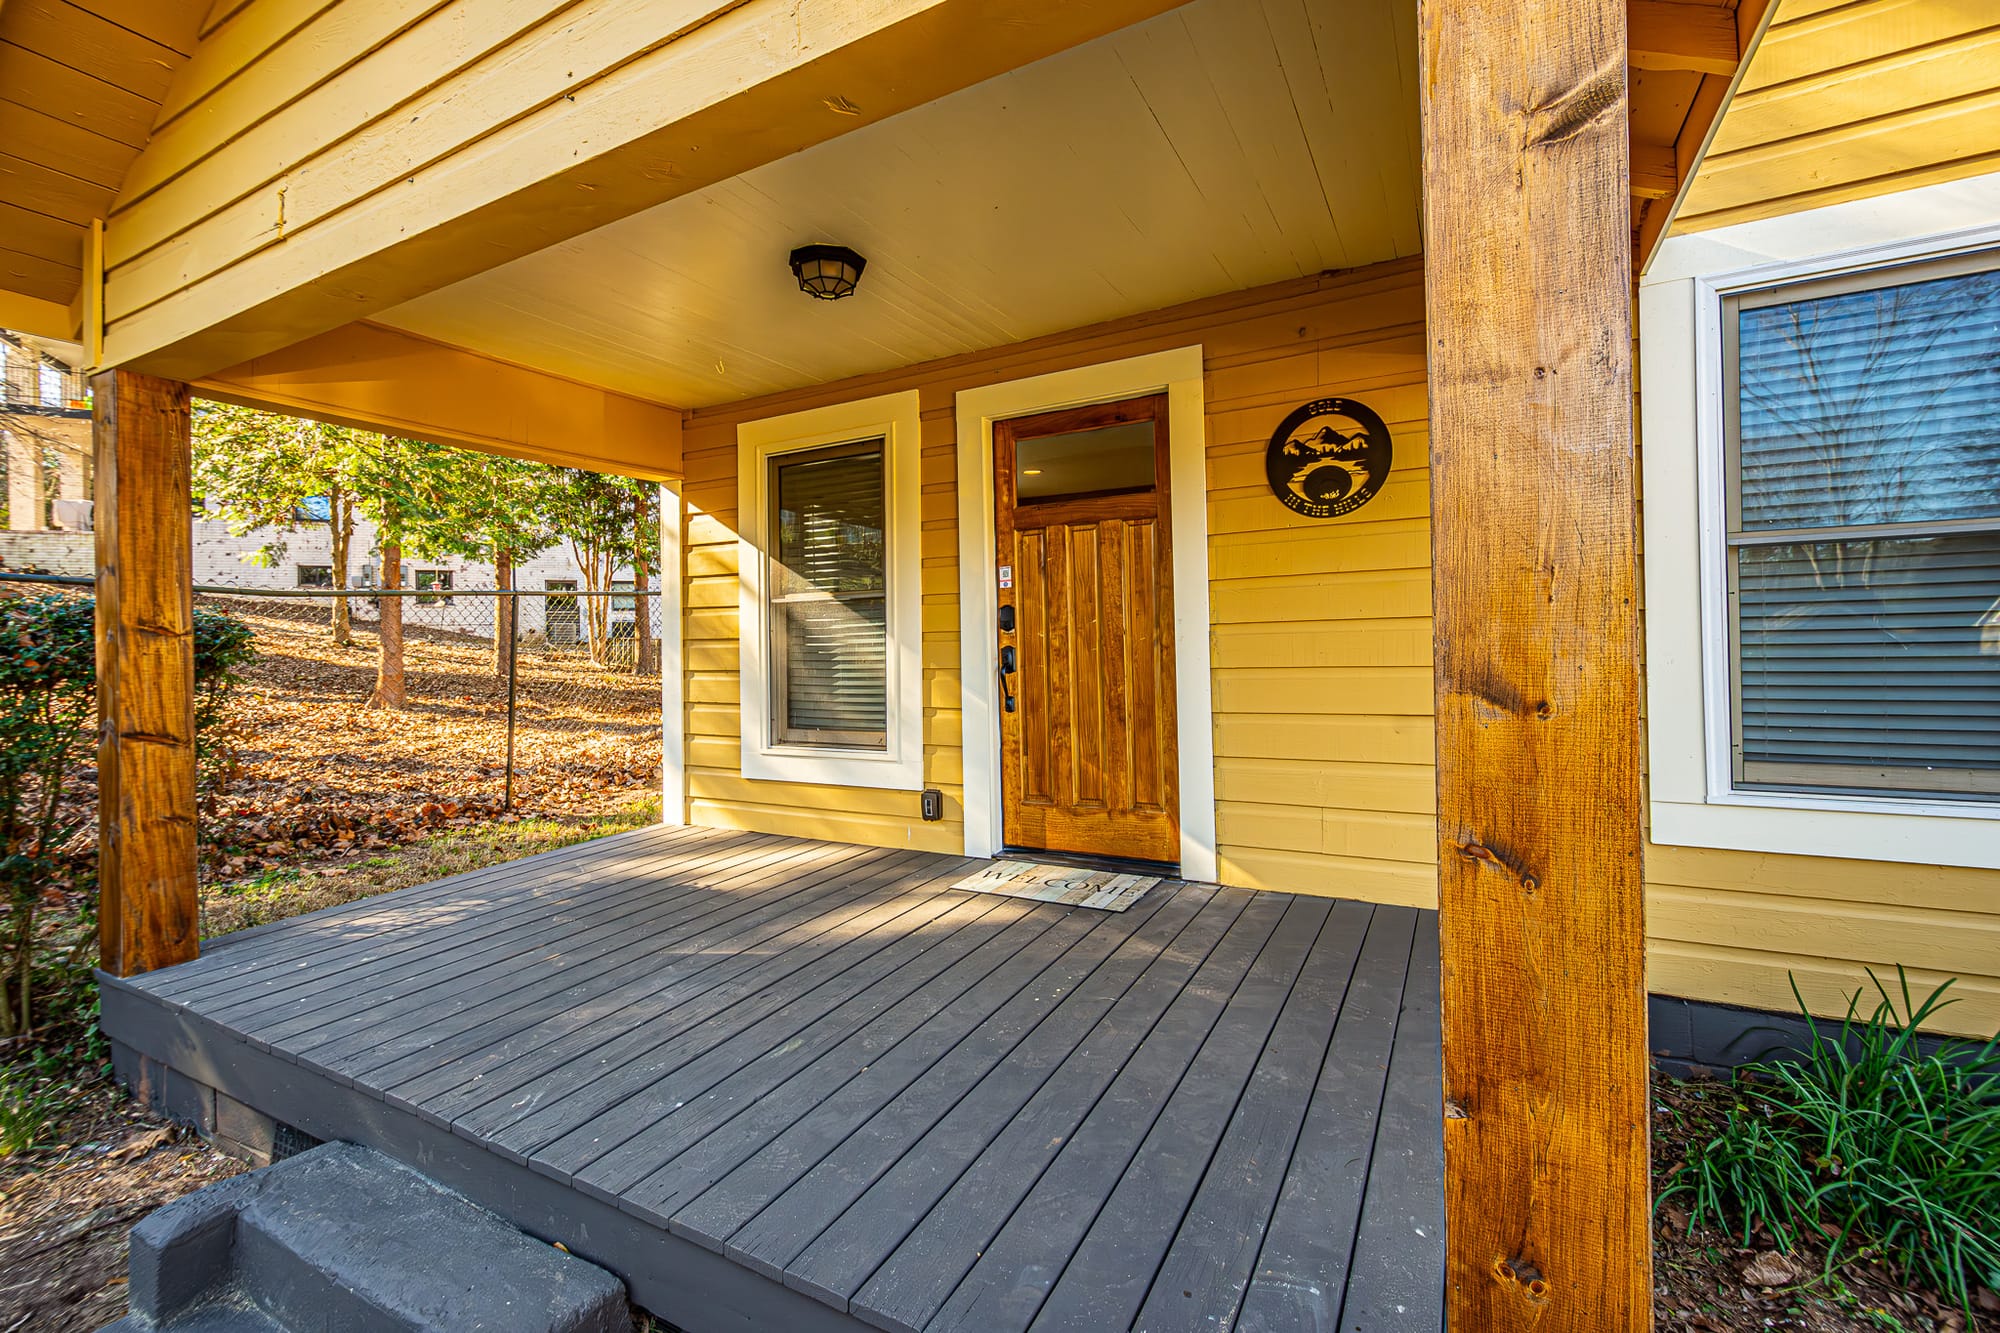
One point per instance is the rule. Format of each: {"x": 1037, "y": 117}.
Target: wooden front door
{"x": 1087, "y": 749}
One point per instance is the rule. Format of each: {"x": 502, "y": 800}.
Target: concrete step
{"x": 343, "y": 1240}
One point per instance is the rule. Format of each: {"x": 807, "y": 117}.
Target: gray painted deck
{"x": 776, "y": 1083}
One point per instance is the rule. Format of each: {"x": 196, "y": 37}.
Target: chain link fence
{"x": 335, "y": 741}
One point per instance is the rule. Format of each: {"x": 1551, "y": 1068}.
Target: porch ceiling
{"x": 1223, "y": 145}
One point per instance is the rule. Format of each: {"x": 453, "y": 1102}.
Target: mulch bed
{"x": 65, "y": 1210}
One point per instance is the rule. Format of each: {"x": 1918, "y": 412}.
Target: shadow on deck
{"x": 779, "y": 1084}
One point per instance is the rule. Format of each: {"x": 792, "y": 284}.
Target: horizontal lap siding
{"x": 1321, "y": 630}
{"x": 1730, "y": 926}
{"x": 1850, "y": 100}
{"x": 1321, "y": 651}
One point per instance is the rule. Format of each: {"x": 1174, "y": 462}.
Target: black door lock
{"x": 1006, "y": 620}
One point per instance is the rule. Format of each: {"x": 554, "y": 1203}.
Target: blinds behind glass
{"x": 1865, "y": 533}
{"x": 828, "y": 594}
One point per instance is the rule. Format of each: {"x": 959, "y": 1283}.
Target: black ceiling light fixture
{"x": 827, "y": 272}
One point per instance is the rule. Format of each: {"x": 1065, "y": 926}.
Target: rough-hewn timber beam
{"x": 270, "y": 229}
{"x": 147, "y": 916}
{"x": 381, "y": 379}
{"x": 1678, "y": 34}
{"x": 1528, "y": 299}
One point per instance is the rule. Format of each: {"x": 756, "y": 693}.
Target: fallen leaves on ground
{"x": 324, "y": 773}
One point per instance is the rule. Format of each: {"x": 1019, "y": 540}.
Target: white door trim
{"x": 1178, "y": 373}
{"x": 673, "y": 655}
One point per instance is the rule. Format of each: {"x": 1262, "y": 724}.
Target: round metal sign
{"x": 1328, "y": 458}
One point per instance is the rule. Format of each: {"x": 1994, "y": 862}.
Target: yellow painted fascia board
{"x": 761, "y": 80}
{"x": 373, "y": 378}
{"x": 33, "y": 315}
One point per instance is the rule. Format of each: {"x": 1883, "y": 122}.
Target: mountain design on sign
{"x": 1334, "y": 463}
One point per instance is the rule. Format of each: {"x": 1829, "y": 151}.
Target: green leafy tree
{"x": 404, "y": 488}
{"x": 646, "y": 540}
{"x": 492, "y": 510}
{"x": 598, "y": 514}
{"x": 263, "y": 471}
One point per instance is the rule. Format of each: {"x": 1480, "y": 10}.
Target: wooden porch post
{"x": 145, "y": 674}
{"x": 1528, "y": 301}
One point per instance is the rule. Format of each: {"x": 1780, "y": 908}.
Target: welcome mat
{"x": 1060, "y": 884}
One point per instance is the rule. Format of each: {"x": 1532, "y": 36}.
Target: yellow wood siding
{"x": 1845, "y": 100}
{"x": 1321, "y": 656}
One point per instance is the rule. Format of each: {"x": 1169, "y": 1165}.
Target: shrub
{"x": 1868, "y": 1141}
{"x": 47, "y": 711}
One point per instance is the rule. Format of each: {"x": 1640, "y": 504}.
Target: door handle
{"x": 1007, "y": 669}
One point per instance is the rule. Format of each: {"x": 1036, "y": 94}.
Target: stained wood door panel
{"x": 1088, "y": 754}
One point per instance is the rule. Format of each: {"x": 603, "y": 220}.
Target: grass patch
{"x": 273, "y": 895}
{"x": 1867, "y": 1144}
{"x": 29, "y": 1104}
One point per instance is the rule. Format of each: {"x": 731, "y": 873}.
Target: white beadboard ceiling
{"x": 1221, "y": 146}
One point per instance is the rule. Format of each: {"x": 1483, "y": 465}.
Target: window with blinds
{"x": 1863, "y": 510}
{"x": 827, "y": 587}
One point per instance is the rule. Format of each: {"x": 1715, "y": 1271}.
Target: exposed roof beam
{"x": 396, "y": 383}
{"x": 1655, "y": 173}
{"x": 1664, "y": 34}
{"x": 32, "y": 315}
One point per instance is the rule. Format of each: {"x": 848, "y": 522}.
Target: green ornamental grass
{"x": 1866, "y": 1140}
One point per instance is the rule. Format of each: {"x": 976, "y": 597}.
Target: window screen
{"x": 828, "y": 591}
{"x": 1864, "y": 532}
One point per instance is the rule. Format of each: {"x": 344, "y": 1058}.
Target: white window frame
{"x": 899, "y": 765}
{"x": 1178, "y": 374}
{"x": 1694, "y": 799}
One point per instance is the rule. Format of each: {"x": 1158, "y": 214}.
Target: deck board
{"x": 458, "y": 1002}
{"x": 959, "y": 1048}
{"x": 1216, "y": 1247}
{"x": 1301, "y": 1272}
{"x": 457, "y": 1087}
{"x": 868, "y": 1098}
{"x": 366, "y": 923}
{"x": 1398, "y": 1274}
{"x": 1032, "y": 1102}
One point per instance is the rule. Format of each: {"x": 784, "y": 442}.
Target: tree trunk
{"x": 647, "y": 662}
{"x": 389, "y": 668}
{"x": 503, "y": 610}
{"x": 597, "y": 570}
{"x": 340, "y": 521}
